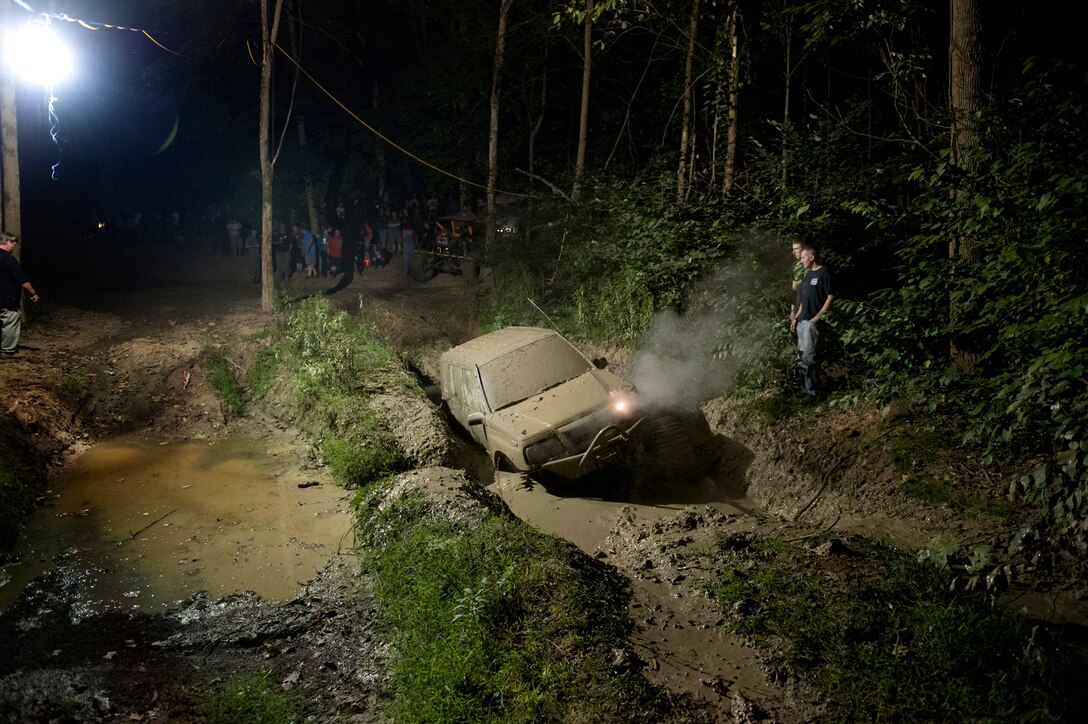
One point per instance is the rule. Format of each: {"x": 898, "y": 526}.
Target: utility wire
{"x": 385, "y": 138}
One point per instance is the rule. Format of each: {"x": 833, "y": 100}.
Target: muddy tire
{"x": 503, "y": 464}
{"x": 668, "y": 451}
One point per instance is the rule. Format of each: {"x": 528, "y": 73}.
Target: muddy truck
{"x": 537, "y": 404}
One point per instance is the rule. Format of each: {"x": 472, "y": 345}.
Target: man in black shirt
{"x": 814, "y": 297}
{"x": 13, "y": 280}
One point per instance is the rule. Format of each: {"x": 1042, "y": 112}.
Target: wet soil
{"x": 102, "y": 370}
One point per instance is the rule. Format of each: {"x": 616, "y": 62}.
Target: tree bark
{"x": 268, "y": 40}
{"x": 11, "y": 217}
{"x": 493, "y": 132}
{"x": 583, "y": 116}
{"x": 685, "y": 125}
{"x": 730, "y": 172}
{"x": 965, "y": 93}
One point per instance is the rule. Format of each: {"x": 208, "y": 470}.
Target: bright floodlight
{"x": 37, "y": 55}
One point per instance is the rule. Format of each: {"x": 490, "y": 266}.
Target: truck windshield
{"x": 533, "y": 368}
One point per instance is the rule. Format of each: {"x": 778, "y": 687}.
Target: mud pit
{"x": 143, "y": 524}
{"x": 120, "y": 366}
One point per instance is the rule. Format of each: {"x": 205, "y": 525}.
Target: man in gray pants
{"x": 13, "y": 280}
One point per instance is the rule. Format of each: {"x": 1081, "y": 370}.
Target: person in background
{"x": 814, "y": 297}
{"x": 13, "y": 280}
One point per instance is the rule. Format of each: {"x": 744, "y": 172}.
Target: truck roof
{"x": 488, "y": 347}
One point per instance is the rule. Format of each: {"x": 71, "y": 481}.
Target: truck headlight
{"x": 547, "y": 449}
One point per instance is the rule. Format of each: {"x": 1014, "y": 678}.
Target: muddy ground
{"x": 115, "y": 349}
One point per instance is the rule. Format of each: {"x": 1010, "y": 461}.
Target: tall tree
{"x": 268, "y": 42}
{"x": 493, "y": 132}
{"x": 686, "y": 131}
{"x": 583, "y": 113}
{"x": 729, "y": 175}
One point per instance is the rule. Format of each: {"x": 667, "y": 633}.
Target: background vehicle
{"x": 453, "y": 251}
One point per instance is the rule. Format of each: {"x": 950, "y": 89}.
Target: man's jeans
{"x": 10, "y": 327}
{"x": 807, "y": 337}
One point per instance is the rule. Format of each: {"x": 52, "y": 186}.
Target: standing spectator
{"x": 13, "y": 280}
{"x": 814, "y": 297}
{"x": 322, "y": 255}
{"x": 409, "y": 237}
{"x": 252, "y": 249}
{"x": 334, "y": 244}
{"x": 234, "y": 236}
{"x": 281, "y": 253}
{"x": 309, "y": 250}
{"x": 362, "y": 252}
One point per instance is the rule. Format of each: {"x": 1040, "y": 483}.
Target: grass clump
{"x": 496, "y": 623}
{"x": 224, "y": 382}
{"x": 250, "y": 701}
{"x": 883, "y": 638}
{"x": 15, "y": 502}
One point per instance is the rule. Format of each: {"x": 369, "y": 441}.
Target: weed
{"x": 888, "y": 640}
{"x": 223, "y": 381}
{"x": 356, "y": 463}
{"x": 72, "y": 387}
{"x": 250, "y": 701}
{"x": 263, "y": 372}
{"x": 494, "y": 623}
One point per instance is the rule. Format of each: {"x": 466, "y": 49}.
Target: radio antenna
{"x": 544, "y": 314}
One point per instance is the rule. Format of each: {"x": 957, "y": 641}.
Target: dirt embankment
{"x": 98, "y": 364}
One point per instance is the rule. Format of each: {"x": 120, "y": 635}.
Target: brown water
{"x": 135, "y": 524}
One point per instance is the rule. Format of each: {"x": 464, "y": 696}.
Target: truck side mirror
{"x": 476, "y": 418}
{"x": 600, "y": 363}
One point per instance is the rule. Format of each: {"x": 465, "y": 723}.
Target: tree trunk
{"x": 268, "y": 40}
{"x": 583, "y": 116}
{"x": 11, "y": 218}
{"x": 493, "y": 133}
{"x": 685, "y": 124}
{"x": 965, "y": 93}
{"x": 965, "y": 74}
{"x": 730, "y": 172}
{"x": 785, "y": 172}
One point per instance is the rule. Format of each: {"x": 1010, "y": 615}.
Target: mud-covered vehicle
{"x": 452, "y": 251}
{"x": 536, "y": 403}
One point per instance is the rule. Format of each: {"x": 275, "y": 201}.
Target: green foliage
{"x": 250, "y": 701}
{"x": 888, "y": 640}
{"x": 15, "y": 504}
{"x": 224, "y": 382}
{"x": 495, "y": 623}
{"x": 1059, "y": 493}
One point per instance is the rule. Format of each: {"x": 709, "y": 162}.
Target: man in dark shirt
{"x": 13, "y": 280}
{"x": 814, "y": 297}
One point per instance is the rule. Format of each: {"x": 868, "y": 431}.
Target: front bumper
{"x": 608, "y": 447}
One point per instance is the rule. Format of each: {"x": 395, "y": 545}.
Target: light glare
{"x": 37, "y": 55}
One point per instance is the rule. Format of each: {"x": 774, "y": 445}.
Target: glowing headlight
{"x": 622, "y": 403}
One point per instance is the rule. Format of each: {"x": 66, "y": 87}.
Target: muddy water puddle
{"x": 137, "y": 525}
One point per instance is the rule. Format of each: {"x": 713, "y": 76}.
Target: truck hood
{"x": 558, "y": 406}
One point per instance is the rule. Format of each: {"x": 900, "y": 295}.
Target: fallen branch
{"x": 141, "y": 530}
{"x": 558, "y": 191}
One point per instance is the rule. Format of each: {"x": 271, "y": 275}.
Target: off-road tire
{"x": 668, "y": 450}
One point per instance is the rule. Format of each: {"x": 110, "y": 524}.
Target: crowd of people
{"x": 350, "y": 237}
